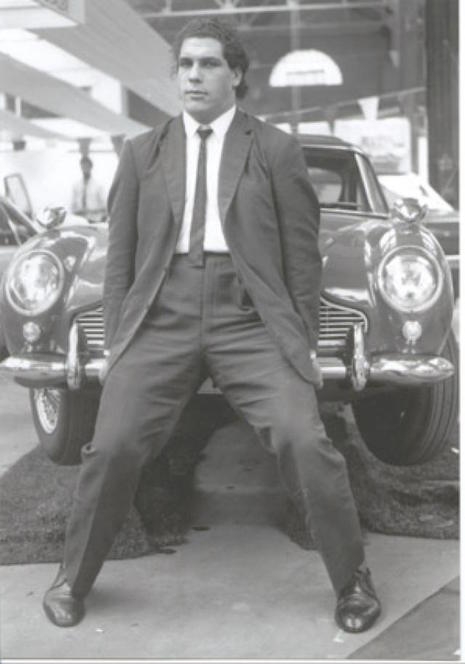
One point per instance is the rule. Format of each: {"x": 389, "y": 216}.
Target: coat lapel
{"x": 235, "y": 150}
{"x": 173, "y": 159}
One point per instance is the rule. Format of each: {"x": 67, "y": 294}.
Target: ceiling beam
{"x": 117, "y": 41}
{"x": 61, "y": 98}
{"x": 318, "y": 28}
{"x": 289, "y": 6}
{"x": 25, "y": 16}
{"x": 14, "y": 127}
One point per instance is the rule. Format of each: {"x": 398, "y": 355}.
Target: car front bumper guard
{"x": 74, "y": 370}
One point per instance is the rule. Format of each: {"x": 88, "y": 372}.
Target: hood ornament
{"x": 408, "y": 211}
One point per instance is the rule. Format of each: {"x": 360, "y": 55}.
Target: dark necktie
{"x": 200, "y": 202}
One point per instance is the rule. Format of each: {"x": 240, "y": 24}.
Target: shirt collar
{"x": 219, "y": 126}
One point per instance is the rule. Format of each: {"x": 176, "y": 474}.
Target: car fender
{"x": 82, "y": 251}
{"x": 350, "y": 263}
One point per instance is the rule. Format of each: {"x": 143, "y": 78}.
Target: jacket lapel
{"x": 173, "y": 159}
{"x": 235, "y": 150}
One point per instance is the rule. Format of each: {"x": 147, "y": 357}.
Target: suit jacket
{"x": 270, "y": 218}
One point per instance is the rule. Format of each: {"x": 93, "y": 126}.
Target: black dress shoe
{"x": 357, "y": 604}
{"x": 61, "y": 606}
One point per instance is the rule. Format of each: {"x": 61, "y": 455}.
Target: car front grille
{"x": 91, "y": 327}
{"x": 335, "y": 323}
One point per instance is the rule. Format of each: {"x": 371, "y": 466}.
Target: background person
{"x": 88, "y": 196}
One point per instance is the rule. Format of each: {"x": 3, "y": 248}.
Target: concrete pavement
{"x": 235, "y": 592}
{"x": 239, "y": 589}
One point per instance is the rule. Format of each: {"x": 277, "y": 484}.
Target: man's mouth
{"x": 196, "y": 94}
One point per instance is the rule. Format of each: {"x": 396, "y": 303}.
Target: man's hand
{"x": 316, "y": 366}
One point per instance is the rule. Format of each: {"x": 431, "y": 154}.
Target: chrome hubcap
{"x": 47, "y": 403}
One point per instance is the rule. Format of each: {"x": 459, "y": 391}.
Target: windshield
{"x": 343, "y": 179}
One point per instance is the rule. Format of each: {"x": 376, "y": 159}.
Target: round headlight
{"x": 410, "y": 279}
{"x": 34, "y": 282}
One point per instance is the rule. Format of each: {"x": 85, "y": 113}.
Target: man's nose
{"x": 195, "y": 72}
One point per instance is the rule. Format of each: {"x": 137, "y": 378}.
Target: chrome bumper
{"x": 395, "y": 369}
{"x": 44, "y": 371}
{"x": 73, "y": 371}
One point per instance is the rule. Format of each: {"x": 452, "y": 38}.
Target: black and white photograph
{"x": 230, "y": 331}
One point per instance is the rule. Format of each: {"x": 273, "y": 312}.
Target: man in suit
{"x": 213, "y": 268}
{"x": 87, "y": 196}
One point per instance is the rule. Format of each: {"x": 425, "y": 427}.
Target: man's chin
{"x": 199, "y": 110}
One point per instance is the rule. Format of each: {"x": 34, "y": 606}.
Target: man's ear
{"x": 237, "y": 77}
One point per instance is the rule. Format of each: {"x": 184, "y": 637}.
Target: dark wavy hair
{"x": 233, "y": 50}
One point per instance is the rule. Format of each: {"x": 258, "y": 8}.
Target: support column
{"x": 441, "y": 21}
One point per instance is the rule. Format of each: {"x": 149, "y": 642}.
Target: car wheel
{"x": 411, "y": 426}
{"x": 64, "y": 422}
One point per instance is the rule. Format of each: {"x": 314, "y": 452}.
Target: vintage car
{"x": 385, "y": 343}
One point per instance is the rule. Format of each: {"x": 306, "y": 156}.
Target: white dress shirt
{"x": 214, "y": 238}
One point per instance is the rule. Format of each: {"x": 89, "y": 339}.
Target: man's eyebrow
{"x": 202, "y": 60}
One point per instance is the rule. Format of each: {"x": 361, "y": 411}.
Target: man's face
{"x": 206, "y": 82}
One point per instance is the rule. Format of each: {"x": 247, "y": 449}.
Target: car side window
{"x": 7, "y": 237}
{"x": 336, "y": 178}
{"x": 338, "y": 188}
{"x": 328, "y": 184}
